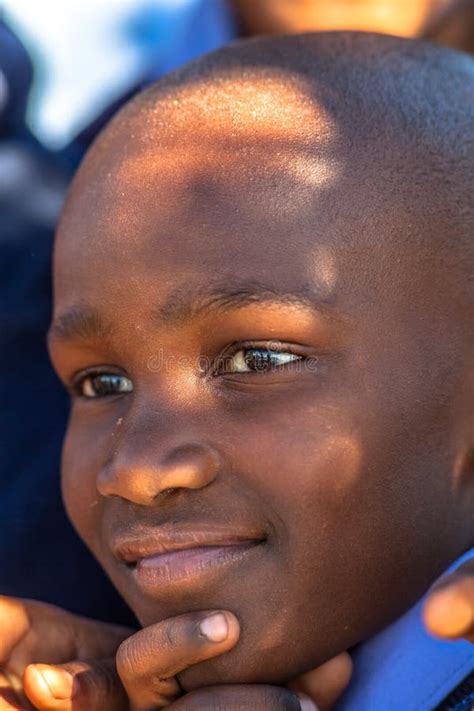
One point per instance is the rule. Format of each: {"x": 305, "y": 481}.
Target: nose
{"x": 185, "y": 466}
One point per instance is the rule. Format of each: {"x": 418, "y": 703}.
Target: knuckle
{"x": 169, "y": 633}
{"x": 107, "y": 679}
{"x": 127, "y": 661}
{"x": 96, "y": 687}
{"x": 99, "y": 681}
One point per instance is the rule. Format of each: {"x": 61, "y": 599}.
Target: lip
{"x": 168, "y": 555}
{"x": 189, "y": 565}
{"x": 150, "y": 542}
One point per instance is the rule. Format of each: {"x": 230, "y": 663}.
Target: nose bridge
{"x": 154, "y": 454}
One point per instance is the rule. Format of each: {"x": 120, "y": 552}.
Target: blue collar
{"x": 404, "y": 668}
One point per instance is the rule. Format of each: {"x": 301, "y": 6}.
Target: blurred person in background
{"x": 449, "y": 22}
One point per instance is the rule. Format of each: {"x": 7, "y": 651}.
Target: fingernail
{"x": 58, "y": 681}
{"x": 215, "y": 627}
{"x": 306, "y": 704}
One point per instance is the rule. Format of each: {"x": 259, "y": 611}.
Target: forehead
{"x": 199, "y": 145}
{"x": 245, "y": 176}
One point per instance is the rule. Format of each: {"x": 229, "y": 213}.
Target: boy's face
{"x": 319, "y": 496}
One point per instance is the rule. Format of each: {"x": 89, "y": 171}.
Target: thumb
{"x": 75, "y": 686}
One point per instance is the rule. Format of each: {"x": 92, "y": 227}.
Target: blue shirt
{"x": 405, "y": 669}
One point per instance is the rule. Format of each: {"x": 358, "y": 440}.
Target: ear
{"x": 464, "y": 467}
{"x": 463, "y": 471}
{"x": 463, "y": 481}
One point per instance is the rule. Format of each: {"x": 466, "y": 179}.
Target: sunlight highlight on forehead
{"x": 257, "y": 145}
{"x": 235, "y": 116}
{"x": 276, "y": 103}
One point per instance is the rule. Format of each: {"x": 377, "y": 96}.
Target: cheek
{"x": 83, "y": 452}
{"x": 303, "y": 458}
{"x": 328, "y": 488}
{"x": 307, "y": 465}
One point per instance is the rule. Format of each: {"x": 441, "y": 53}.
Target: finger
{"x": 32, "y": 631}
{"x": 14, "y": 626}
{"x": 326, "y": 683}
{"x": 76, "y": 686}
{"x": 148, "y": 661}
{"x": 11, "y": 696}
{"x": 449, "y": 609}
{"x": 236, "y": 698}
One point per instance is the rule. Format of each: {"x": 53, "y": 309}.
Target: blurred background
{"x": 65, "y": 68}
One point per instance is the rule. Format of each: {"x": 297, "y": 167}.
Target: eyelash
{"x": 123, "y": 384}
{"x": 273, "y": 348}
{"x": 87, "y": 377}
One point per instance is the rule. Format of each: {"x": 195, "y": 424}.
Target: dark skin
{"x": 264, "y": 180}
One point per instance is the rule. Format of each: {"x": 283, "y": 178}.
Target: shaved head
{"x": 263, "y": 312}
{"x": 313, "y": 105}
{"x": 303, "y": 116}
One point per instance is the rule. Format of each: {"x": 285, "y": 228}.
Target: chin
{"x": 233, "y": 667}
{"x": 256, "y": 661}
{"x": 266, "y": 652}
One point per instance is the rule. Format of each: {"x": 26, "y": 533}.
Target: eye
{"x": 96, "y": 385}
{"x": 255, "y": 360}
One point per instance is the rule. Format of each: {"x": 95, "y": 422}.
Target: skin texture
{"x": 326, "y": 167}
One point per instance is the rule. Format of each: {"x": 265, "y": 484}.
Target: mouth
{"x": 175, "y": 556}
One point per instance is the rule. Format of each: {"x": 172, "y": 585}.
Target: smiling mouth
{"x": 168, "y": 558}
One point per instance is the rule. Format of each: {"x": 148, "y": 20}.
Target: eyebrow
{"x": 82, "y": 322}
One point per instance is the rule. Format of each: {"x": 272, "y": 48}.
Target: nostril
{"x": 169, "y": 491}
{"x": 140, "y": 477}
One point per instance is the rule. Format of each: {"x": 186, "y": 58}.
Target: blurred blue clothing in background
{"x": 88, "y": 53}
{"x": 40, "y": 555}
